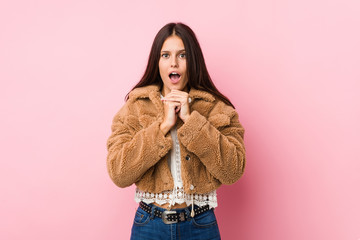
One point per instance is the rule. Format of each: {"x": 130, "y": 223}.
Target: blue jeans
{"x": 203, "y": 226}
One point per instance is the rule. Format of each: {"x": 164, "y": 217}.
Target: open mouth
{"x": 174, "y": 77}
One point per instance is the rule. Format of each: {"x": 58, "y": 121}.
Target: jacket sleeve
{"x": 217, "y": 142}
{"x": 132, "y": 149}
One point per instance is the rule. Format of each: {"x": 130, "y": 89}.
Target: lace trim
{"x": 177, "y": 196}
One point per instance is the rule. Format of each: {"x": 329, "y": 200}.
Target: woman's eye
{"x": 182, "y": 55}
{"x": 165, "y": 55}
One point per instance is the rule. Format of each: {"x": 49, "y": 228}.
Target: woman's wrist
{"x": 164, "y": 129}
{"x": 186, "y": 118}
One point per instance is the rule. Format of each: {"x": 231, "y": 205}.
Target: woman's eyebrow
{"x": 182, "y": 50}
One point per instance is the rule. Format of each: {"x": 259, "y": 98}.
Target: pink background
{"x": 290, "y": 67}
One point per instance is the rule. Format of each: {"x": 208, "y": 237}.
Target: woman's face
{"x": 172, "y": 65}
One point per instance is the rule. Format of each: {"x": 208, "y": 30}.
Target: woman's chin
{"x": 178, "y": 86}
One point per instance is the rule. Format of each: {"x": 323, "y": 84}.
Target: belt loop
{"x": 152, "y": 212}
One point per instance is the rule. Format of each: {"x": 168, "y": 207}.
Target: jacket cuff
{"x": 191, "y": 127}
{"x": 163, "y": 142}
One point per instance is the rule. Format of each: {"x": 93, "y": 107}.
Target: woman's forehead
{"x": 173, "y": 44}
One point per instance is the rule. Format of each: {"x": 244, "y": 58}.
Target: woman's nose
{"x": 174, "y": 62}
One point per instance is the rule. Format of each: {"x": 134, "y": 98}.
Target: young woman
{"x": 178, "y": 139}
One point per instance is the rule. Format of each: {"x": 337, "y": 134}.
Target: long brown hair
{"x": 198, "y": 75}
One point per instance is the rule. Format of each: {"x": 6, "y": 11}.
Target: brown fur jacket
{"x": 211, "y": 144}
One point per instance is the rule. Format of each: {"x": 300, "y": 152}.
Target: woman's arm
{"x": 132, "y": 150}
{"x": 217, "y": 142}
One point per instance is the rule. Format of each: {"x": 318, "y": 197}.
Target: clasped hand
{"x": 176, "y": 104}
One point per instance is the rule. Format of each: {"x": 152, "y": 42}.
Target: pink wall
{"x": 290, "y": 67}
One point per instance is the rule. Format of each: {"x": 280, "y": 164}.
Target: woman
{"x": 178, "y": 139}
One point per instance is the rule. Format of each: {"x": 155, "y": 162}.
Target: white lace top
{"x": 177, "y": 195}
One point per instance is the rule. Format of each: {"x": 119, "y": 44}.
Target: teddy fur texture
{"x": 211, "y": 144}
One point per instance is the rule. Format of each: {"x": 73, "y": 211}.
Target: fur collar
{"x": 153, "y": 91}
